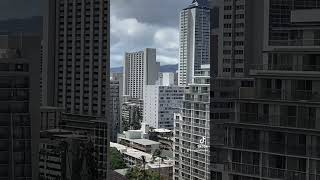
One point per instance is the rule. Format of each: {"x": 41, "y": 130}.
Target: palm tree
{"x": 144, "y": 166}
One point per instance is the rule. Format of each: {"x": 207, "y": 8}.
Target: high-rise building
{"x": 139, "y": 69}
{"x": 194, "y": 40}
{"x": 115, "y": 109}
{"x": 76, "y": 65}
{"x": 76, "y": 56}
{"x": 19, "y": 106}
{"x": 265, "y": 116}
{"x": 191, "y": 132}
{"x": 168, "y": 79}
{"x": 160, "y": 104}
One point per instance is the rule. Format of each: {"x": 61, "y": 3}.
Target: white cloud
{"x": 167, "y": 38}
{"x": 138, "y": 24}
{"x": 128, "y": 35}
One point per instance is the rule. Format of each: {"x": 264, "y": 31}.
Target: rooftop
{"x": 198, "y": 3}
{"x": 144, "y": 142}
{"x": 138, "y": 155}
{"x": 162, "y": 130}
{"x": 131, "y": 151}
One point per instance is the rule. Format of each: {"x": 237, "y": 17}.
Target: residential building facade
{"x": 192, "y": 130}
{"x": 168, "y": 79}
{"x": 139, "y": 69}
{"x": 115, "y": 109}
{"x": 160, "y": 104}
{"x": 76, "y": 64}
{"x": 76, "y": 42}
{"x": 194, "y": 40}
{"x": 131, "y": 117}
{"x": 267, "y": 127}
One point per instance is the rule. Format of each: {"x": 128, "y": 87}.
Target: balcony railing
{"x": 185, "y": 122}
{"x": 199, "y": 133}
{"x": 268, "y": 172}
{"x": 295, "y": 42}
{"x": 273, "y": 147}
{"x": 199, "y": 125}
{"x": 279, "y": 94}
{"x": 200, "y": 116}
{"x": 285, "y": 67}
{"x": 269, "y": 93}
{"x": 242, "y": 168}
{"x": 203, "y": 99}
{"x": 276, "y": 120}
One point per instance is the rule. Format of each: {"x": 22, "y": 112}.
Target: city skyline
{"x": 149, "y": 89}
{"x": 148, "y": 27}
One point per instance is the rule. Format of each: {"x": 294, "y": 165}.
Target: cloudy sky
{"x": 137, "y": 24}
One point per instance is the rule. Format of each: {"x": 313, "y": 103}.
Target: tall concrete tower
{"x": 194, "y": 40}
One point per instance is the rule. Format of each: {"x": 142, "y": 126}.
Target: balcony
{"x": 280, "y": 94}
{"x": 200, "y": 116}
{"x": 200, "y": 175}
{"x": 186, "y": 154}
{"x": 186, "y": 138}
{"x": 295, "y": 42}
{"x": 197, "y": 99}
{"x": 199, "y": 133}
{"x": 267, "y": 172}
{"x": 242, "y": 168}
{"x": 277, "y": 94}
{"x": 285, "y": 67}
{"x": 199, "y": 125}
{"x": 186, "y": 122}
{"x": 283, "y": 174}
{"x": 276, "y": 120}
{"x": 198, "y": 166}
{"x": 308, "y": 95}
{"x": 186, "y": 130}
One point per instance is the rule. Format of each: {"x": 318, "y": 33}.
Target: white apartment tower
{"x": 194, "y": 40}
{"x": 140, "y": 69}
{"x": 160, "y": 104}
{"x": 192, "y": 130}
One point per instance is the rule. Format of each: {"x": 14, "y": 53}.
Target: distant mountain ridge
{"x": 164, "y": 68}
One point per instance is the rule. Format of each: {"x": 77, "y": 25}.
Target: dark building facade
{"x": 19, "y": 106}
{"x": 76, "y": 63}
{"x": 265, "y": 121}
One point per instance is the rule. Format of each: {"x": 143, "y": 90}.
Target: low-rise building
{"x": 144, "y": 145}
{"x": 62, "y": 153}
{"x": 131, "y": 116}
{"x": 165, "y": 138}
{"x": 133, "y": 157}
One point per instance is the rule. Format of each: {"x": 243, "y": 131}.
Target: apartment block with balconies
{"x": 191, "y": 136}
{"x": 272, "y": 130}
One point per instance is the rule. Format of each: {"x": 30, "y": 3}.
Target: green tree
{"x": 137, "y": 173}
{"x": 116, "y": 159}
